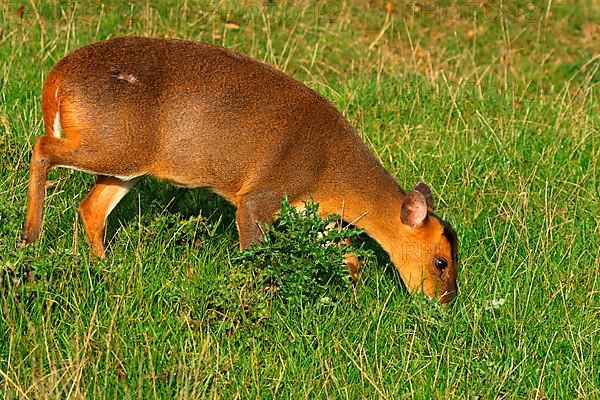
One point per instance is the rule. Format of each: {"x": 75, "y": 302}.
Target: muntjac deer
{"x": 199, "y": 115}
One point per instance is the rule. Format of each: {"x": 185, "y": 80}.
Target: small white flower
{"x": 494, "y": 304}
{"x": 325, "y": 300}
{"x": 497, "y": 303}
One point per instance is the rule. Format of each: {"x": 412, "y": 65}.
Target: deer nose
{"x": 448, "y": 295}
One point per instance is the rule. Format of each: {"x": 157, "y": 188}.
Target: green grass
{"x": 496, "y": 108}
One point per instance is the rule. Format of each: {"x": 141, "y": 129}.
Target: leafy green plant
{"x": 301, "y": 257}
{"x": 299, "y": 263}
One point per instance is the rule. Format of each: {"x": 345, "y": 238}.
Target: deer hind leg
{"x": 47, "y": 152}
{"x": 95, "y": 208}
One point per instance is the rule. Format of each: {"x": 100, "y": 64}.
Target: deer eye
{"x": 440, "y": 263}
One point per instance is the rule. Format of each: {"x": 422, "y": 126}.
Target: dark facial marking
{"x": 452, "y": 239}
{"x": 451, "y": 236}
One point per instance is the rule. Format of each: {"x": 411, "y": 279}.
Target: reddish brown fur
{"x": 203, "y": 116}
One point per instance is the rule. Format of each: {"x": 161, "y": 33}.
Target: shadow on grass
{"x": 150, "y": 198}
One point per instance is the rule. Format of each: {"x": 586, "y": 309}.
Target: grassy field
{"x": 497, "y": 107}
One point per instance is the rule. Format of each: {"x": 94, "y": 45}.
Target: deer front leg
{"x": 350, "y": 260}
{"x": 255, "y": 211}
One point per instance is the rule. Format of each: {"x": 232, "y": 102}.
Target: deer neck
{"x": 368, "y": 197}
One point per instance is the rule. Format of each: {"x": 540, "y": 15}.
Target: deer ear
{"x": 426, "y": 192}
{"x": 414, "y": 209}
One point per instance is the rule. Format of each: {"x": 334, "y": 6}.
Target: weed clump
{"x": 301, "y": 257}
